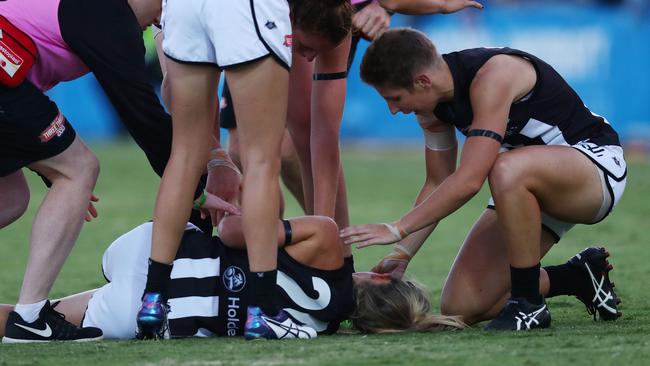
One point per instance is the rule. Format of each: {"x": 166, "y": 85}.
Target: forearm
{"x": 414, "y": 241}
{"x": 231, "y": 231}
{"x": 453, "y": 193}
{"x": 328, "y": 98}
{"x": 325, "y": 161}
{"x": 414, "y": 7}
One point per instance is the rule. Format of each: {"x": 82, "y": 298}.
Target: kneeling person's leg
{"x": 524, "y": 182}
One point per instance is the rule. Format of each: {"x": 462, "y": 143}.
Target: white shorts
{"x": 612, "y": 169}
{"x": 114, "y": 306}
{"x": 226, "y": 32}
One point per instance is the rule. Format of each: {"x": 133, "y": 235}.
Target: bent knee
{"x": 506, "y": 173}
{"x": 88, "y": 171}
{"x": 82, "y": 170}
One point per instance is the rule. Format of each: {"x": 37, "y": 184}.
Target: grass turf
{"x": 381, "y": 186}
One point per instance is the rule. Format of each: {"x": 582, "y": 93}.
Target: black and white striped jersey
{"x": 209, "y": 290}
{"x": 551, "y": 114}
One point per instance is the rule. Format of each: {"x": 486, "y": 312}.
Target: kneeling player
{"x": 209, "y": 287}
{"x": 550, "y": 163}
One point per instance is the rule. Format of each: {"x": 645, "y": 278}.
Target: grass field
{"x": 381, "y": 186}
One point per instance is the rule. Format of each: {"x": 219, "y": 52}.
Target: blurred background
{"x": 601, "y": 47}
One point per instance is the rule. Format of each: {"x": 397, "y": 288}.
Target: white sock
{"x": 29, "y": 312}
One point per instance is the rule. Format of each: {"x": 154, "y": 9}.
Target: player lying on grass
{"x": 209, "y": 286}
{"x": 549, "y": 160}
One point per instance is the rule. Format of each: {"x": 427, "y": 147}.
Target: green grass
{"x": 381, "y": 186}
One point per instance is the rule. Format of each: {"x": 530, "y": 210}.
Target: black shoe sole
{"x": 149, "y": 332}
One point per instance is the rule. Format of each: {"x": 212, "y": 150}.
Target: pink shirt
{"x": 56, "y": 61}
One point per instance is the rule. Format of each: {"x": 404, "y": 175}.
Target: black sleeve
{"x": 107, "y": 37}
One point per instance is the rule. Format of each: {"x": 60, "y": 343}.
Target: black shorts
{"x": 32, "y": 128}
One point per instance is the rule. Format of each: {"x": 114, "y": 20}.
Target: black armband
{"x": 485, "y": 133}
{"x": 330, "y": 76}
{"x": 287, "y": 232}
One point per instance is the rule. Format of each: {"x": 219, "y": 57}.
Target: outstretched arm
{"x": 423, "y": 7}
{"x": 492, "y": 92}
{"x": 440, "y": 160}
{"x": 327, "y": 100}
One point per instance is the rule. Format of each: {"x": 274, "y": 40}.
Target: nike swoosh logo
{"x": 45, "y": 333}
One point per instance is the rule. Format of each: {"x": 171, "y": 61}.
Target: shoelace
{"x": 61, "y": 328}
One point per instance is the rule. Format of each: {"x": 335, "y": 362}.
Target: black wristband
{"x": 485, "y": 133}
{"x": 287, "y": 232}
{"x": 330, "y": 76}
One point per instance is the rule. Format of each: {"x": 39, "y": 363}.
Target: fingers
{"x": 362, "y": 240}
{"x": 363, "y": 235}
{"x": 376, "y": 30}
{"x": 367, "y": 243}
{"x": 91, "y": 213}
{"x": 359, "y": 20}
{"x": 353, "y": 230}
{"x": 476, "y": 4}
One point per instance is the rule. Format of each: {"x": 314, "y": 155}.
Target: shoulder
{"x": 504, "y": 75}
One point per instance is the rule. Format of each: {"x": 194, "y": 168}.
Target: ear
{"x": 422, "y": 80}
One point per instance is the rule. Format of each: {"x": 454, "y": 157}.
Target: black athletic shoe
{"x": 50, "y": 326}
{"x": 599, "y": 298}
{"x": 520, "y": 314}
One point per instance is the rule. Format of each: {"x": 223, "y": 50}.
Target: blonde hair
{"x": 398, "y": 306}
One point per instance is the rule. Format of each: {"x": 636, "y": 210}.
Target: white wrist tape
{"x": 213, "y": 163}
{"x": 220, "y": 157}
{"x": 404, "y": 249}
{"x": 440, "y": 141}
{"x": 393, "y": 230}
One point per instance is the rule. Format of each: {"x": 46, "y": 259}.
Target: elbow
{"x": 230, "y": 232}
{"x": 472, "y": 187}
{"x": 468, "y": 187}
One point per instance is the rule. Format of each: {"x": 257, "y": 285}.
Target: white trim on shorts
{"x": 610, "y": 163}
{"x": 226, "y": 33}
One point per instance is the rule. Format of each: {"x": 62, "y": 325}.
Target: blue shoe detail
{"x": 152, "y": 318}
{"x": 260, "y": 326}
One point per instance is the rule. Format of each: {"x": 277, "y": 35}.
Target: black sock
{"x": 158, "y": 278}
{"x": 263, "y": 292}
{"x": 525, "y": 283}
{"x": 565, "y": 280}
